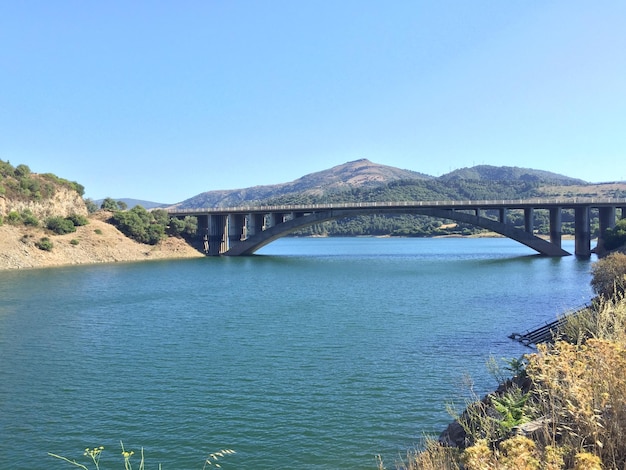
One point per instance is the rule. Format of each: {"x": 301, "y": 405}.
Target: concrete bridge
{"x": 236, "y": 231}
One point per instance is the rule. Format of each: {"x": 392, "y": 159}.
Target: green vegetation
{"x": 19, "y": 183}
{"x": 44, "y": 244}
{"x": 427, "y": 190}
{"x": 565, "y": 410}
{"x": 150, "y": 226}
{"x": 60, "y": 225}
{"x": 616, "y": 236}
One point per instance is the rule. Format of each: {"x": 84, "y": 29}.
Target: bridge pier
{"x": 582, "y": 231}
{"x": 218, "y": 234}
{"x": 606, "y": 216}
{"x": 276, "y": 218}
{"x": 556, "y": 226}
{"x": 529, "y": 219}
{"x": 502, "y": 215}
{"x": 236, "y": 228}
{"x": 256, "y": 224}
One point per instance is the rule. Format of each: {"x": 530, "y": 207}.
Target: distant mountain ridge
{"x": 509, "y": 173}
{"x": 365, "y": 176}
{"x": 359, "y": 173}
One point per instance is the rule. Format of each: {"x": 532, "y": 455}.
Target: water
{"x": 316, "y": 353}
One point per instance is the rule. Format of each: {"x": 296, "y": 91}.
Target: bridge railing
{"x": 468, "y": 204}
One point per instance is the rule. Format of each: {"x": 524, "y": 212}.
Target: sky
{"x": 163, "y": 100}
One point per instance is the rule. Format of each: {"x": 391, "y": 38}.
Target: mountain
{"x": 357, "y": 174}
{"x": 509, "y": 173}
{"x": 130, "y": 203}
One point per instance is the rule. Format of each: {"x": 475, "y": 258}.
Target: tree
{"x": 109, "y": 204}
{"x": 91, "y": 206}
{"x": 22, "y": 171}
{"x": 616, "y": 236}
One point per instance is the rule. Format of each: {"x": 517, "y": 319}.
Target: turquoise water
{"x": 315, "y": 353}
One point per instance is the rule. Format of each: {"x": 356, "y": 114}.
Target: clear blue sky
{"x": 162, "y": 100}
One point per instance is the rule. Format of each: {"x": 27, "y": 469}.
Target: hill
{"x": 130, "y": 203}
{"x": 28, "y": 201}
{"x": 365, "y": 180}
{"x": 509, "y": 173}
{"x": 357, "y": 174}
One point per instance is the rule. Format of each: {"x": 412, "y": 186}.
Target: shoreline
{"x": 95, "y": 243}
{"x": 100, "y": 242}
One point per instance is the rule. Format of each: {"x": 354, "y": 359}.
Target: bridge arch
{"x": 253, "y": 243}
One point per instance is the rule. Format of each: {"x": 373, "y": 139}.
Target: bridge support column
{"x": 529, "y": 220}
{"x": 236, "y": 228}
{"x": 556, "y": 225}
{"x": 218, "y": 234}
{"x": 607, "y": 220}
{"x": 502, "y": 215}
{"x": 623, "y": 212}
{"x": 256, "y": 224}
{"x": 203, "y": 231}
{"x": 582, "y": 230}
{"x": 276, "y": 218}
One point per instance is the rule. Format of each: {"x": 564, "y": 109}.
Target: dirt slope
{"x": 98, "y": 242}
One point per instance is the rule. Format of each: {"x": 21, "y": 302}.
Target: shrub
{"x": 91, "y": 206}
{"x": 616, "y": 236}
{"x": 140, "y": 225}
{"x": 28, "y": 218}
{"x": 44, "y": 244}
{"x": 14, "y": 218}
{"x": 60, "y": 226}
{"x": 73, "y": 241}
{"x": 109, "y": 204}
{"x": 22, "y": 171}
{"x": 78, "y": 220}
{"x": 98, "y": 231}
{"x": 185, "y": 227}
{"x": 609, "y": 275}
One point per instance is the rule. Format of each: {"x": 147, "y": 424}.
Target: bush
{"x": 60, "y": 226}
{"x": 91, "y": 206}
{"x": 609, "y": 275}
{"x": 28, "y": 218}
{"x": 74, "y": 242}
{"x": 78, "y": 220}
{"x": 14, "y": 218}
{"x": 44, "y": 244}
{"x": 109, "y": 204}
{"x": 615, "y": 237}
{"x": 140, "y": 225}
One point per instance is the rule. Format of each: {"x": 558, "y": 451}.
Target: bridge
{"x": 236, "y": 231}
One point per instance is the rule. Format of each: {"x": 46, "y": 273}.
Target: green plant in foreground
{"x": 512, "y": 406}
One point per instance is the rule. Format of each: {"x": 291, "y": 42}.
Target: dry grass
{"x": 577, "y": 400}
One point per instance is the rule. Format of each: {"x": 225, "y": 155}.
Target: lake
{"x": 316, "y": 353}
